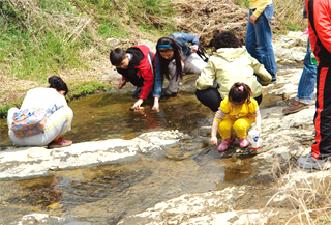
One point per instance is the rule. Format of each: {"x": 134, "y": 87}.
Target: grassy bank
{"x": 39, "y": 38}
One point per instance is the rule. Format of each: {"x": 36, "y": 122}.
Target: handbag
{"x": 28, "y": 122}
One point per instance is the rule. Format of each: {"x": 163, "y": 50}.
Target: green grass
{"x": 49, "y": 55}
{"x": 112, "y": 29}
{"x": 86, "y": 88}
{"x": 34, "y": 44}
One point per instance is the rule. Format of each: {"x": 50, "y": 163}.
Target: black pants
{"x": 321, "y": 148}
{"x": 211, "y": 98}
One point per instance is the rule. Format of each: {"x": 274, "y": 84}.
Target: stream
{"x": 106, "y": 194}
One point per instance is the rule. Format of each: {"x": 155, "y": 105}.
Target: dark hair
{"x": 58, "y": 84}
{"x": 239, "y": 93}
{"x": 116, "y": 56}
{"x": 225, "y": 39}
{"x": 166, "y": 44}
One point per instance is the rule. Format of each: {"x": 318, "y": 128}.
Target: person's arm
{"x": 158, "y": 81}
{"x": 207, "y": 77}
{"x": 322, "y": 22}
{"x": 259, "y": 10}
{"x": 186, "y": 39}
{"x": 219, "y": 115}
{"x": 255, "y": 114}
{"x": 260, "y": 71}
{"x": 194, "y": 40}
{"x": 147, "y": 74}
{"x": 259, "y": 121}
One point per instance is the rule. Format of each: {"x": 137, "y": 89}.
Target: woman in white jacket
{"x": 58, "y": 115}
{"x": 230, "y": 63}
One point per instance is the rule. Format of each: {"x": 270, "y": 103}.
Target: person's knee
{"x": 225, "y": 126}
{"x": 68, "y": 112}
{"x": 241, "y": 125}
{"x": 10, "y": 114}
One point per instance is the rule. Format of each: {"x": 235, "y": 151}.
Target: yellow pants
{"x": 239, "y": 126}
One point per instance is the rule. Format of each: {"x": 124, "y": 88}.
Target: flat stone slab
{"x": 17, "y": 163}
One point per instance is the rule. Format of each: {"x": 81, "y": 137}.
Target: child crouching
{"x": 235, "y": 115}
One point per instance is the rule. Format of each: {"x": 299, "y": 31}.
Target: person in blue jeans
{"x": 306, "y": 85}
{"x": 259, "y": 35}
{"x": 307, "y": 81}
{"x": 175, "y": 55}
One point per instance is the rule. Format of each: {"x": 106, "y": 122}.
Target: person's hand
{"x": 252, "y": 19}
{"x": 259, "y": 129}
{"x": 194, "y": 48}
{"x": 156, "y": 105}
{"x": 213, "y": 140}
{"x": 121, "y": 83}
{"x": 137, "y": 105}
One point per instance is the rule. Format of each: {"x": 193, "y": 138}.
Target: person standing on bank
{"x": 259, "y": 34}
{"x": 175, "y": 55}
{"x": 230, "y": 64}
{"x": 319, "y": 27}
{"x": 57, "y": 116}
{"x": 135, "y": 65}
{"x": 307, "y": 82}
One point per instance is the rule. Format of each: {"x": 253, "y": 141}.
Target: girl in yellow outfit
{"x": 236, "y": 113}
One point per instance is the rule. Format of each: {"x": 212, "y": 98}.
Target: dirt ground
{"x": 206, "y": 17}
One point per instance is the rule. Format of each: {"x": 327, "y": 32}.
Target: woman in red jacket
{"x": 135, "y": 65}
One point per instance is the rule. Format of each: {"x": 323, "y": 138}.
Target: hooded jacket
{"x": 140, "y": 71}
{"x": 319, "y": 25}
{"x": 230, "y": 65}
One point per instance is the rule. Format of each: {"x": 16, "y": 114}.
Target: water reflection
{"x": 106, "y": 194}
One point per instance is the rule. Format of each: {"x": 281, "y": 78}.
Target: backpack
{"x": 28, "y": 122}
{"x": 203, "y": 53}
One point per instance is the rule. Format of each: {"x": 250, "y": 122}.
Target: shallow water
{"x": 105, "y": 194}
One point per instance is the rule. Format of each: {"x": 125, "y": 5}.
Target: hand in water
{"x": 213, "y": 140}
{"x": 137, "y": 105}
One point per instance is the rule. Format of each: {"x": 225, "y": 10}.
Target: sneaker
{"x": 294, "y": 107}
{"x": 309, "y": 162}
{"x": 225, "y": 144}
{"x": 59, "y": 143}
{"x": 166, "y": 92}
{"x": 243, "y": 143}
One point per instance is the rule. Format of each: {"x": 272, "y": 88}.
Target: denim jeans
{"x": 307, "y": 80}
{"x": 259, "y": 40}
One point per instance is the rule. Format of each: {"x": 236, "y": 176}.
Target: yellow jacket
{"x": 259, "y": 5}
{"x": 230, "y": 65}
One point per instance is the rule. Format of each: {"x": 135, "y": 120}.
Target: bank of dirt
{"x": 208, "y": 17}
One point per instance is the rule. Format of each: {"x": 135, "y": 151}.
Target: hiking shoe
{"x": 308, "y": 162}
{"x": 59, "y": 143}
{"x": 166, "y": 92}
{"x": 294, "y": 107}
{"x": 243, "y": 143}
{"x": 225, "y": 144}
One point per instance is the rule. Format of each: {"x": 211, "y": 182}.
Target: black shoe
{"x": 167, "y": 93}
